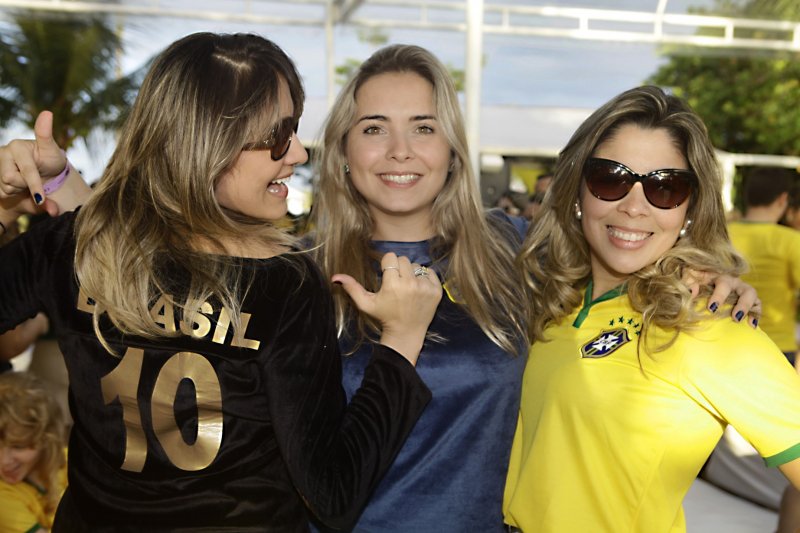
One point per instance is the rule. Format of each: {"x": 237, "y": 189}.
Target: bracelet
{"x": 52, "y": 185}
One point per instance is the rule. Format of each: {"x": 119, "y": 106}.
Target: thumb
{"x": 360, "y": 296}
{"x": 51, "y": 207}
{"x": 43, "y": 129}
{"x": 48, "y": 157}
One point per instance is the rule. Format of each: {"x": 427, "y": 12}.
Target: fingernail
{"x": 714, "y": 306}
{"x": 38, "y": 198}
{"x": 739, "y": 316}
{"x": 755, "y": 322}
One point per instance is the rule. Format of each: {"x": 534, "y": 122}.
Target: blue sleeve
{"x": 520, "y": 224}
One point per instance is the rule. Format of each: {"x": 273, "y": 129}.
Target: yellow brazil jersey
{"x": 609, "y": 439}
{"x": 773, "y": 253}
{"x": 22, "y": 506}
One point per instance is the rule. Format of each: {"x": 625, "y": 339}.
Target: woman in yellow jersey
{"x": 629, "y": 384}
{"x": 32, "y": 459}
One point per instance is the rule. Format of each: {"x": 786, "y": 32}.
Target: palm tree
{"x": 66, "y": 64}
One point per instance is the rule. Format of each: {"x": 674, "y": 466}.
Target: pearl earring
{"x": 578, "y": 213}
{"x": 346, "y": 168}
{"x": 685, "y": 228}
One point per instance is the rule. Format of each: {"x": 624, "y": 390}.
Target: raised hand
{"x": 404, "y": 305}
{"x": 25, "y": 164}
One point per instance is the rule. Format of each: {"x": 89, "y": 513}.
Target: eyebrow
{"x": 383, "y": 118}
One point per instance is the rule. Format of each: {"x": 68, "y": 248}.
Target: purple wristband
{"x": 53, "y": 184}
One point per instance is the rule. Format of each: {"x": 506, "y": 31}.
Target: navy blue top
{"x": 450, "y": 473}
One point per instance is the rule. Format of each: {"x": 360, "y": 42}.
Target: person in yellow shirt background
{"x": 772, "y": 252}
{"x": 32, "y": 458}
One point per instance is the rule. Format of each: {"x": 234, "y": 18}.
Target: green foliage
{"x": 750, "y": 101}
{"x": 373, "y": 36}
{"x": 66, "y": 64}
{"x": 459, "y": 77}
{"x": 346, "y": 70}
{"x": 750, "y": 104}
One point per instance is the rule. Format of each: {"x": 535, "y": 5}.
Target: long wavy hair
{"x": 31, "y": 418}
{"x": 204, "y": 98}
{"x": 555, "y": 256}
{"x": 481, "y": 262}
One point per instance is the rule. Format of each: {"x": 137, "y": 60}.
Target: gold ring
{"x": 391, "y": 268}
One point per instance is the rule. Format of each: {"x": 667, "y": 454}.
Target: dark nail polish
{"x": 739, "y": 316}
{"x": 755, "y": 322}
{"x": 714, "y": 306}
{"x": 38, "y": 198}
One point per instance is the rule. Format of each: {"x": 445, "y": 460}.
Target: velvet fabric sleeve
{"x": 31, "y": 267}
{"x": 335, "y": 454}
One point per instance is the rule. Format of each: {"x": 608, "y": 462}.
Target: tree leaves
{"x": 749, "y": 100}
{"x": 66, "y": 64}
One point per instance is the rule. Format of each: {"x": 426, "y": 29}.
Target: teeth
{"x": 402, "y": 178}
{"x": 628, "y": 236}
{"x": 281, "y": 181}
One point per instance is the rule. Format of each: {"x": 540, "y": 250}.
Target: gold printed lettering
{"x": 123, "y": 383}
{"x": 84, "y": 302}
{"x": 190, "y": 457}
{"x": 200, "y": 325}
{"x": 239, "y": 339}
{"x": 223, "y": 323}
{"x": 163, "y": 313}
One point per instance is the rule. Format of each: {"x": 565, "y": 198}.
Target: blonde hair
{"x": 481, "y": 266}
{"x": 30, "y": 417}
{"x": 556, "y": 257}
{"x": 204, "y": 98}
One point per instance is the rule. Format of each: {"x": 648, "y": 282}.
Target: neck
{"x": 253, "y": 249}
{"x": 33, "y": 479}
{"x": 769, "y": 213}
{"x": 402, "y": 228}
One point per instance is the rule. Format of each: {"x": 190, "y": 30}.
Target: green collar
{"x": 588, "y": 303}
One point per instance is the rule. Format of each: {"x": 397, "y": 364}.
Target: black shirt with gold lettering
{"x": 215, "y": 429}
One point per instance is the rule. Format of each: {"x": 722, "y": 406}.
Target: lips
{"x": 10, "y": 476}
{"x": 400, "y": 179}
{"x": 628, "y": 236}
{"x": 278, "y": 185}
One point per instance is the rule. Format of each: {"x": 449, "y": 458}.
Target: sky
{"x": 519, "y": 71}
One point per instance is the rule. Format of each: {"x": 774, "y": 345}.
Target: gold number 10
{"x": 123, "y": 383}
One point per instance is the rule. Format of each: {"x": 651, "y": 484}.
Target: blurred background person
{"x": 32, "y": 458}
{"x": 536, "y": 199}
{"x": 772, "y": 252}
{"x": 792, "y": 216}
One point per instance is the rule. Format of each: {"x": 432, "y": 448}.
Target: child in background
{"x": 32, "y": 459}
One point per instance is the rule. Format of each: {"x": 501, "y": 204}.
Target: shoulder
{"x": 53, "y": 232}
{"x": 293, "y": 274}
{"x": 722, "y": 343}
{"x": 790, "y": 235}
{"x": 500, "y": 220}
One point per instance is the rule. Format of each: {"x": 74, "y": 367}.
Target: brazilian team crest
{"x": 605, "y": 343}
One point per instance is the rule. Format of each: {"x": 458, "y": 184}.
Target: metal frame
{"x": 472, "y": 17}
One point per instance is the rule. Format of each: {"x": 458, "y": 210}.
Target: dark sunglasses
{"x": 278, "y": 141}
{"x": 666, "y": 188}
